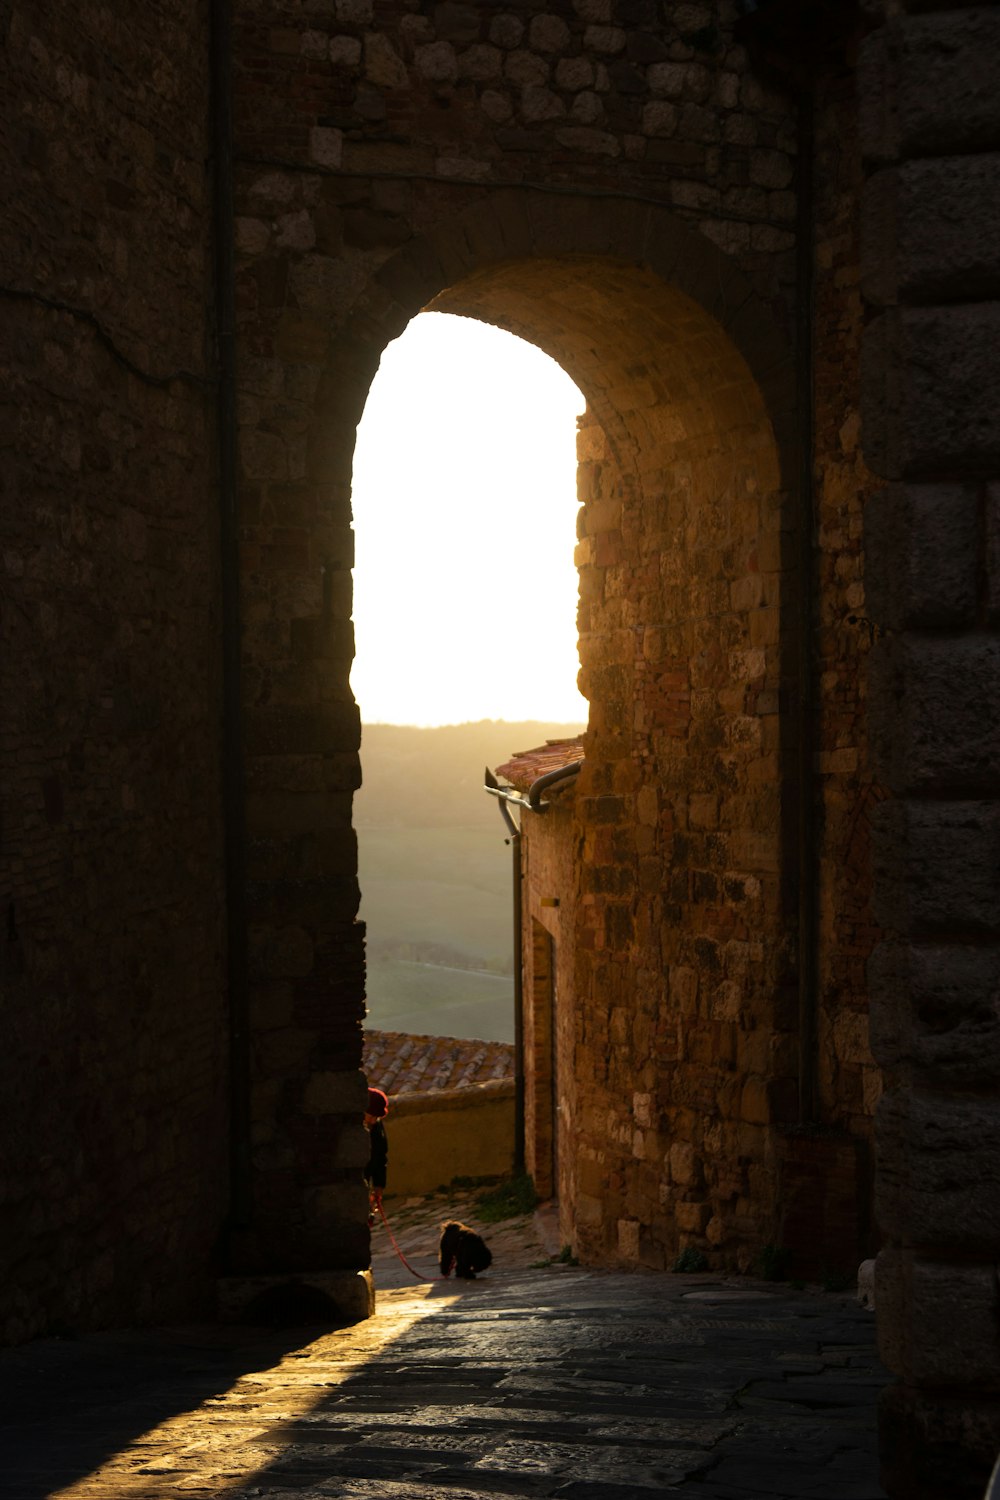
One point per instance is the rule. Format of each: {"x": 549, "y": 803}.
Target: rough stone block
{"x": 691, "y": 1218}
{"x": 931, "y": 392}
{"x": 937, "y": 1181}
{"x": 948, "y": 98}
{"x": 927, "y": 85}
{"x": 937, "y": 1011}
{"x": 340, "y": 1297}
{"x": 993, "y": 552}
{"x": 937, "y": 1321}
{"x": 877, "y": 90}
{"x": 935, "y": 867}
{"x": 936, "y": 713}
{"x": 931, "y": 231}
{"x": 923, "y": 555}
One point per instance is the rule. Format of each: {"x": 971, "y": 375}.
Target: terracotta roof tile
{"x": 524, "y": 768}
{"x": 401, "y": 1063}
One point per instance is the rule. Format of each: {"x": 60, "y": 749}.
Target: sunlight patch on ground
{"x": 243, "y": 1431}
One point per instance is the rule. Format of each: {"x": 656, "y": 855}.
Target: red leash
{"x": 399, "y": 1252}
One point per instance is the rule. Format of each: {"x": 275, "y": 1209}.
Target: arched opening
{"x": 676, "y": 1013}
{"x": 675, "y": 991}
{"x": 465, "y": 595}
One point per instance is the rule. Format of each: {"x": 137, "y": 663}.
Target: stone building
{"x": 762, "y": 239}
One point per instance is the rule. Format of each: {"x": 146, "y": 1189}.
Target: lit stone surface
{"x": 525, "y": 1381}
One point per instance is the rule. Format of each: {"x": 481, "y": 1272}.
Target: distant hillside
{"x": 431, "y": 778}
{"x": 436, "y": 876}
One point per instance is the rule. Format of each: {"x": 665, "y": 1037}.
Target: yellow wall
{"x": 448, "y": 1133}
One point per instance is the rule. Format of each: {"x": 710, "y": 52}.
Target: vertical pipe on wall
{"x": 515, "y": 846}
{"x": 807, "y": 850}
{"x": 491, "y": 786}
{"x": 240, "y": 1195}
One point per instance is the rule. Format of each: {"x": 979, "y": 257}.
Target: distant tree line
{"x": 437, "y": 954}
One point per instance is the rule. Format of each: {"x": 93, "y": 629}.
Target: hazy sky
{"x": 465, "y": 516}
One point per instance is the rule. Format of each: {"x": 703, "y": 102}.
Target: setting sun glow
{"x": 465, "y": 517}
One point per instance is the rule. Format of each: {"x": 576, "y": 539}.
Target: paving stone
{"x": 573, "y": 1383}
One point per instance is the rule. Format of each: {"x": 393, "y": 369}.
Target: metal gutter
{"x": 561, "y": 773}
{"x": 533, "y": 800}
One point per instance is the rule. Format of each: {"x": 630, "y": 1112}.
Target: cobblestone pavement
{"x": 537, "y": 1380}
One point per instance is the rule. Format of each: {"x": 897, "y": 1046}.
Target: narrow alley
{"x": 539, "y": 1379}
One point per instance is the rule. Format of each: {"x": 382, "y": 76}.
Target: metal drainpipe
{"x": 807, "y": 854}
{"x": 240, "y": 1188}
{"x": 515, "y": 847}
{"x": 561, "y": 773}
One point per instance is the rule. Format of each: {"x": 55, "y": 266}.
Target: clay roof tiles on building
{"x": 399, "y": 1063}
{"x": 524, "y": 768}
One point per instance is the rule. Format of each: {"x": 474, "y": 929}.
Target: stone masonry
{"x": 764, "y": 246}
{"x": 112, "y": 1069}
{"x": 622, "y": 196}
{"x": 930, "y": 125}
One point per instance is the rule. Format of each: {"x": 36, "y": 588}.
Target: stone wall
{"x": 826, "y": 1161}
{"x": 618, "y": 184}
{"x": 930, "y": 133}
{"x": 684, "y": 946}
{"x": 581, "y": 177}
{"x": 443, "y": 1134}
{"x": 112, "y": 1071}
{"x": 619, "y": 188}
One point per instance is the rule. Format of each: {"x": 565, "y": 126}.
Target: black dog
{"x": 464, "y": 1249}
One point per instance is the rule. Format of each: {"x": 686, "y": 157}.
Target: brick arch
{"x": 676, "y": 270}
{"x": 682, "y": 937}
{"x": 686, "y": 468}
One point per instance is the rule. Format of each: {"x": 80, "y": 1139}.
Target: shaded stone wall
{"x": 112, "y": 1070}
{"x": 826, "y": 1163}
{"x": 930, "y": 134}
{"x": 847, "y": 793}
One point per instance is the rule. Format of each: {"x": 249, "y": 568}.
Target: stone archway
{"x": 686, "y": 653}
